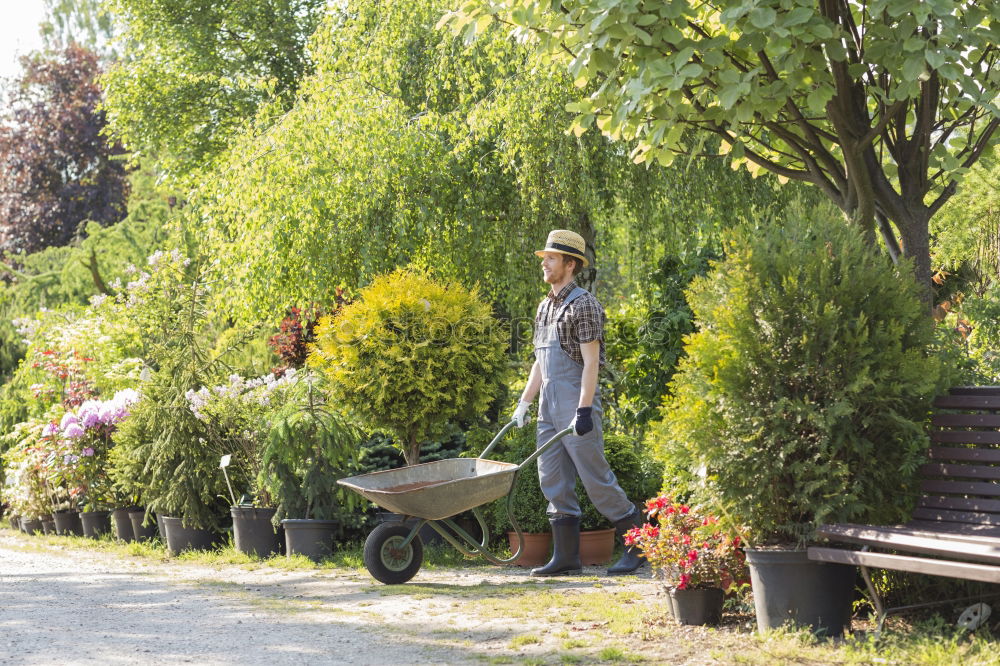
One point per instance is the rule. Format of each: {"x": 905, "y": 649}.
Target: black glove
{"x": 584, "y": 422}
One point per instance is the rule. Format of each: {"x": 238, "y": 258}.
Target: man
{"x": 569, "y": 350}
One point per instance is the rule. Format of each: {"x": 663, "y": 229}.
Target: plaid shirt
{"x": 583, "y": 321}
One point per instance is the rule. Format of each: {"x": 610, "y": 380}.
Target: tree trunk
{"x": 587, "y": 278}
{"x": 916, "y": 245}
{"x": 411, "y": 452}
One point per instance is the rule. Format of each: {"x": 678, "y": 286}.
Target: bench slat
{"x": 960, "y": 503}
{"x": 990, "y": 402}
{"x": 914, "y": 543}
{"x": 965, "y": 436}
{"x": 974, "y": 390}
{"x": 927, "y": 529}
{"x": 965, "y": 454}
{"x": 960, "y": 471}
{"x": 970, "y": 517}
{"x": 966, "y": 420}
{"x": 951, "y": 569}
{"x": 962, "y": 531}
{"x": 962, "y": 487}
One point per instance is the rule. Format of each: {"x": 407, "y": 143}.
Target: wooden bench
{"x": 955, "y": 528}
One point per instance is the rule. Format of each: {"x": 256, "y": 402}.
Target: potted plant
{"x": 801, "y": 401}
{"x": 87, "y": 432}
{"x": 237, "y": 418}
{"x": 309, "y": 445}
{"x": 693, "y": 555}
{"x": 26, "y": 488}
{"x": 160, "y": 454}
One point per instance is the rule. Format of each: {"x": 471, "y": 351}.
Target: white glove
{"x": 521, "y": 416}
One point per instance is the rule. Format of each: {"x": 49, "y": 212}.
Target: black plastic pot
{"x": 254, "y": 533}
{"x": 697, "y": 606}
{"x": 95, "y": 523}
{"x": 15, "y": 522}
{"x": 48, "y": 526}
{"x": 122, "y": 525}
{"x": 312, "y": 538}
{"x": 31, "y": 526}
{"x": 68, "y": 523}
{"x": 180, "y": 538}
{"x": 139, "y": 531}
{"x": 789, "y": 587}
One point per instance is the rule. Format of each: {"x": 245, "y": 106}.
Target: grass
{"x": 524, "y": 639}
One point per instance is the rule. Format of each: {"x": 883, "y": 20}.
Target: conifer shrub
{"x": 411, "y": 355}
{"x": 804, "y": 391}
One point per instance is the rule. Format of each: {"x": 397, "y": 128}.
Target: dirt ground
{"x": 60, "y": 605}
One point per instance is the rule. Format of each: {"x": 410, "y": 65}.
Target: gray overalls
{"x": 573, "y": 455}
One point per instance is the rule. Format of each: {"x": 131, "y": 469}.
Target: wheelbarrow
{"x": 434, "y": 493}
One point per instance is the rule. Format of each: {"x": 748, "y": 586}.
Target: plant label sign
{"x": 224, "y": 461}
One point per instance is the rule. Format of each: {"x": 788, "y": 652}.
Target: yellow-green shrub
{"x": 411, "y": 355}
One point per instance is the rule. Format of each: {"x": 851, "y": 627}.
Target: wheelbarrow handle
{"x": 539, "y": 451}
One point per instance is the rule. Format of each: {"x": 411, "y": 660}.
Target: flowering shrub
{"x": 236, "y": 416}
{"x": 27, "y": 469}
{"x": 685, "y": 548}
{"x": 79, "y": 445}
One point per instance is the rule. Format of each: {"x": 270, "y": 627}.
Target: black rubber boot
{"x": 630, "y": 560}
{"x": 565, "y": 548}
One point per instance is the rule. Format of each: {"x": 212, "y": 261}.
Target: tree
{"x": 57, "y": 170}
{"x": 411, "y": 356}
{"x": 193, "y": 72}
{"x": 406, "y": 147}
{"x": 883, "y": 105}
{"x": 83, "y": 22}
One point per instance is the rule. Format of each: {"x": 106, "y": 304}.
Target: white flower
{"x": 97, "y": 299}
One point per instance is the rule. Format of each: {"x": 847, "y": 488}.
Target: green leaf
{"x": 762, "y": 17}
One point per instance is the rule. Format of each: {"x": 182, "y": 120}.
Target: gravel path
{"x": 70, "y": 606}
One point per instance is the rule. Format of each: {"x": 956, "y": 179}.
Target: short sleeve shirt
{"x": 583, "y": 321}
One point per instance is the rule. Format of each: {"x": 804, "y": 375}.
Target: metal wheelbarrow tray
{"x": 436, "y": 490}
{"x": 434, "y": 493}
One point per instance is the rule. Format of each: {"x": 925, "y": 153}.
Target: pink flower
{"x": 87, "y": 452}
{"x": 73, "y": 430}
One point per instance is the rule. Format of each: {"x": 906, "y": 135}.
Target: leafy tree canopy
{"x": 83, "y": 22}
{"x": 407, "y": 147}
{"x": 192, "y": 72}
{"x": 883, "y": 105}
{"x": 57, "y": 170}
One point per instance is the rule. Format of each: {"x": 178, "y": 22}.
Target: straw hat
{"x": 566, "y": 242}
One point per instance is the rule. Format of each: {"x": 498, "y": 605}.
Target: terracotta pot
{"x": 537, "y": 548}
{"x": 597, "y": 546}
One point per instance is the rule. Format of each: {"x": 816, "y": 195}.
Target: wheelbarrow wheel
{"x": 387, "y": 560}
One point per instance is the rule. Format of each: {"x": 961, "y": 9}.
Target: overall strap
{"x": 573, "y": 295}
